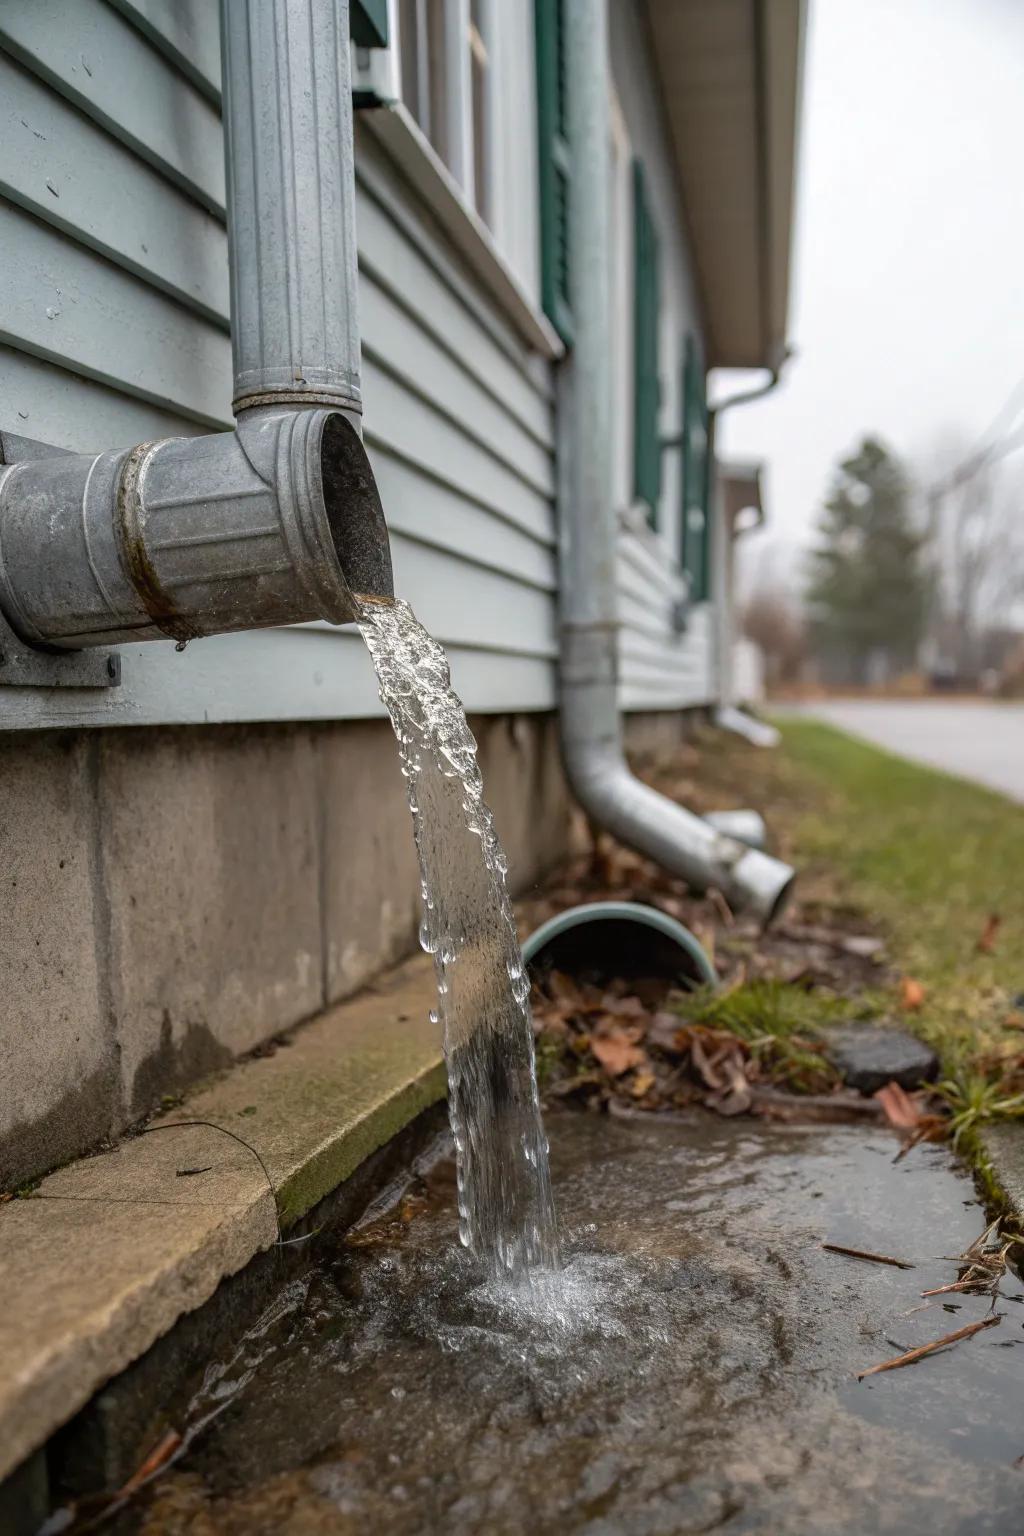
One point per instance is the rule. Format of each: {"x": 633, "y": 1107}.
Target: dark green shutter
{"x": 553, "y": 147}
{"x": 368, "y": 23}
{"x": 696, "y": 527}
{"x": 646, "y": 384}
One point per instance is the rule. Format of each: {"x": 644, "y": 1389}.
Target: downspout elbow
{"x": 641, "y": 818}
{"x": 277, "y": 523}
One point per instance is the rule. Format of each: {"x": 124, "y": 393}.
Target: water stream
{"x": 506, "y": 1212}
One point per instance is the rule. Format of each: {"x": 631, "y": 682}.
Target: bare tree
{"x": 986, "y": 543}
{"x": 770, "y": 620}
{"x": 977, "y": 543}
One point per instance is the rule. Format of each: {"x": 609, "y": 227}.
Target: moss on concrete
{"x": 114, "y": 1248}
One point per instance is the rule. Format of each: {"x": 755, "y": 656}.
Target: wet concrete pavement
{"x": 692, "y": 1369}
{"x": 979, "y": 741}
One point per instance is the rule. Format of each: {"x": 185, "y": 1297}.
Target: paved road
{"x": 979, "y": 741}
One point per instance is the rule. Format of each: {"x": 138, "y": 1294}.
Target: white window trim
{"x": 622, "y": 306}
{"x": 395, "y": 128}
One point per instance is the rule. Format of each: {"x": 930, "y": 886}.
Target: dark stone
{"x": 867, "y": 1057}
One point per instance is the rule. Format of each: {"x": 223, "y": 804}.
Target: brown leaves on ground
{"x": 911, "y": 995}
{"x": 630, "y": 1044}
{"x": 987, "y": 938}
{"x": 911, "y": 1115}
{"x": 617, "y": 1051}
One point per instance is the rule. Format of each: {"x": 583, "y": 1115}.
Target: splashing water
{"x": 506, "y": 1214}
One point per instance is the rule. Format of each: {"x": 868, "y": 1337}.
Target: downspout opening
{"x": 355, "y": 516}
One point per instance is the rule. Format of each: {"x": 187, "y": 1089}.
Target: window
{"x": 481, "y": 99}
{"x": 445, "y": 57}
{"x": 695, "y": 553}
{"x": 646, "y": 382}
{"x": 368, "y": 23}
{"x": 553, "y": 164}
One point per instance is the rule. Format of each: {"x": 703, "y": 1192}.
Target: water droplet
{"x": 428, "y": 939}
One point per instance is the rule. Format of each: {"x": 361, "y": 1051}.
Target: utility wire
{"x": 985, "y": 451}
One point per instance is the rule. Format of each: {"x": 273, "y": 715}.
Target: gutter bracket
{"x": 27, "y": 666}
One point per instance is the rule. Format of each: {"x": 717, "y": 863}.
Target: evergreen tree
{"x": 867, "y": 596}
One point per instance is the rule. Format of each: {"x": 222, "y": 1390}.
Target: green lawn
{"x": 932, "y": 859}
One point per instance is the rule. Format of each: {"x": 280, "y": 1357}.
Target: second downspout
{"x": 591, "y": 726}
{"x": 728, "y": 715}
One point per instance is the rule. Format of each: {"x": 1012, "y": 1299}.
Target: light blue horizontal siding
{"x": 113, "y": 329}
{"x": 93, "y": 55}
{"x": 62, "y": 302}
{"x": 67, "y": 170}
{"x": 44, "y": 401}
{"x": 659, "y": 669}
{"x": 291, "y": 674}
{"x": 187, "y": 31}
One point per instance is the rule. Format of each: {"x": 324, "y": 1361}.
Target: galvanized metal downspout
{"x": 279, "y": 521}
{"x": 591, "y": 727}
{"x": 291, "y": 203}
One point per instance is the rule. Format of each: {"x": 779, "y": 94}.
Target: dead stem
{"x": 873, "y": 1258}
{"x": 913, "y": 1355}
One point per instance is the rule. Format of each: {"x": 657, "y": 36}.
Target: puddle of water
{"x": 692, "y": 1368}
{"x": 507, "y": 1214}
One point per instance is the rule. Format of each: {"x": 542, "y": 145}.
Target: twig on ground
{"x": 157, "y": 1459}
{"x": 913, "y": 1355}
{"x": 874, "y": 1258}
{"x": 176, "y": 1125}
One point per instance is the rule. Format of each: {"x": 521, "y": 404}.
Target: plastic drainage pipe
{"x": 623, "y": 937}
{"x": 591, "y": 727}
{"x": 280, "y": 521}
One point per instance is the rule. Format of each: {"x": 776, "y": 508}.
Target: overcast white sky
{"x": 907, "y": 309}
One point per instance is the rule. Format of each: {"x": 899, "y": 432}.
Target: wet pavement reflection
{"x": 692, "y": 1369}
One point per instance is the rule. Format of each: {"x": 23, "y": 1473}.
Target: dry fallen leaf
{"x": 911, "y": 994}
{"x": 900, "y": 1109}
{"x": 987, "y": 938}
{"x": 738, "y": 1097}
{"x": 642, "y": 1085}
{"x": 616, "y": 1052}
{"x": 703, "y": 1065}
{"x": 663, "y": 1032}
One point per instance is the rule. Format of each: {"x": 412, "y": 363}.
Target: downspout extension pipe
{"x": 280, "y": 521}
{"x": 591, "y": 727}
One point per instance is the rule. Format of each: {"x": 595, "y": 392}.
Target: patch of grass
{"x": 781, "y": 1024}
{"x": 931, "y": 858}
{"x": 974, "y": 1101}
{"x": 769, "y": 1007}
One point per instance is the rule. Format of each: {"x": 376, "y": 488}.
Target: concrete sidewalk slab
{"x": 109, "y": 1252}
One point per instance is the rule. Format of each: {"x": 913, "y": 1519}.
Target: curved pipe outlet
{"x": 611, "y": 794}
{"x": 592, "y": 746}
{"x": 276, "y": 523}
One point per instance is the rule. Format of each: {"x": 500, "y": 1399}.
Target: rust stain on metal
{"x": 135, "y": 557}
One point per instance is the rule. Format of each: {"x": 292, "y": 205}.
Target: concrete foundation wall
{"x": 172, "y": 898}
{"x": 658, "y": 731}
